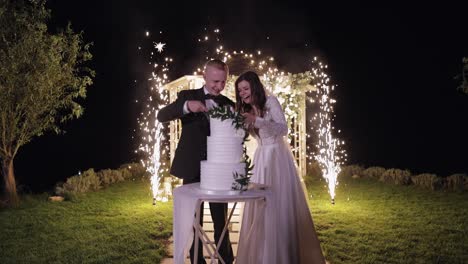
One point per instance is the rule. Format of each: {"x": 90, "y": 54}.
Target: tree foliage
{"x": 42, "y": 77}
{"x": 464, "y": 77}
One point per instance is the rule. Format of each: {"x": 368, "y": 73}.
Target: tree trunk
{"x": 10, "y": 183}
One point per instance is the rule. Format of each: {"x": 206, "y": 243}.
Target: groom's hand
{"x": 195, "y": 106}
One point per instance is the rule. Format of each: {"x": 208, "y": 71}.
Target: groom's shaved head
{"x": 217, "y": 64}
{"x": 215, "y": 75}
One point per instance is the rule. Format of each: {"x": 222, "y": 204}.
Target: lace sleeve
{"x": 276, "y": 126}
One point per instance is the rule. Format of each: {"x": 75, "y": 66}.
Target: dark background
{"x": 394, "y": 66}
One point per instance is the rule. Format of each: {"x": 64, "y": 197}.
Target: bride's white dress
{"x": 297, "y": 242}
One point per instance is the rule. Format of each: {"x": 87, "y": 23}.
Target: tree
{"x": 464, "y": 77}
{"x": 42, "y": 79}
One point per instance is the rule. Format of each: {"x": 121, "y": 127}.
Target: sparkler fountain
{"x": 328, "y": 154}
{"x": 153, "y": 131}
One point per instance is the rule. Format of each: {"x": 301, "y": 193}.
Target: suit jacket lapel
{"x": 200, "y": 95}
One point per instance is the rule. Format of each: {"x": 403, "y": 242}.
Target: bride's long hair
{"x": 257, "y": 93}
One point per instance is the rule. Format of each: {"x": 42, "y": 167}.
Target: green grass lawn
{"x": 115, "y": 225}
{"x": 371, "y": 222}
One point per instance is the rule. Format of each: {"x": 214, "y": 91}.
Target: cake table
{"x": 187, "y": 201}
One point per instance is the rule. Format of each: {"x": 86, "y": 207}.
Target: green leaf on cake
{"x": 241, "y": 181}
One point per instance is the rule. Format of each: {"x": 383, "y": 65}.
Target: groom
{"x": 190, "y": 107}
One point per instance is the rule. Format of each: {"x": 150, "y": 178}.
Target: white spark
{"x": 160, "y": 46}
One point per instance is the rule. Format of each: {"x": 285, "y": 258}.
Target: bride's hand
{"x": 249, "y": 118}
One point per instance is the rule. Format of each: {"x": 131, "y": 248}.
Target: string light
{"x": 310, "y": 86}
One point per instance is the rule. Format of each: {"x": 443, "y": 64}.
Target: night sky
{"x": 398, "y": 105}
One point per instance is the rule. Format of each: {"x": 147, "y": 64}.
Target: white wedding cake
{"x": 224, "y": 154}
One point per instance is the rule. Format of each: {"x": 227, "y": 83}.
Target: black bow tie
{"x": 219, "y": 99}
{"x": 212, "y": 97}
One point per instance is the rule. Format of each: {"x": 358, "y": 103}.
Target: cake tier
{"x": 224, "y": 149}
{"x": 219, "y": 176}
{"x": 224, "y": 128}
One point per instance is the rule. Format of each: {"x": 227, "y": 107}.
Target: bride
{"x": 274, "y": 166}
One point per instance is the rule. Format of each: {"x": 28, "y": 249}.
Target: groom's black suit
{"x": 191, "y": 149}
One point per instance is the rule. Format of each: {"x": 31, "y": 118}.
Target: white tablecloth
{"x": 186, "y": 198}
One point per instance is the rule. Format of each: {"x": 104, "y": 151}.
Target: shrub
{"x": 74, "y": 184}
{"x": 117, "y": 176}
{"x": 313, "y": 169}
{"x": 428, "y": 181}
{"x": 457, "y": 182}
{"x": 87, "y": 181}
{"x": 126, "y": 173}
{"x": 373, "y": 172}
{"x": 109, "y": 176}
{"x": 313, "y": 173}
{"x": 105, "y": 176}
{"x": 92, "y": 181}
{"x": 396, "y": 176}
{"x": 350, "y": 171}
{"x": 59, "y": 188}
{"x": 70, "y": 196}
{"x": 137, "y": 170}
